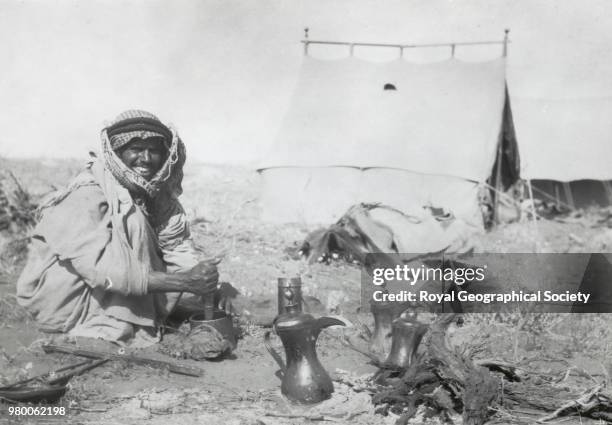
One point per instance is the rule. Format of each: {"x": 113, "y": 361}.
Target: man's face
{"x": 144, "y": 157}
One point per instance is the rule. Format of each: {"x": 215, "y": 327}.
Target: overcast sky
{"x": 223, "y": 71}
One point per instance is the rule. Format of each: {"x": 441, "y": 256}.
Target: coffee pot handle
{"x": 273, "y": 353}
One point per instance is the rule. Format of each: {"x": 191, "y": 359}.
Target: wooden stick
{"x": 209, "y": 307}
{"x": 307, "y": 417}
{"x": 173, "y": 367}
{"x": 582, "y": 404}
{"x": 568, "y": 195}
{"x": 506, "y": 41}
{"x": 405, "y": 46}
{"x": 498, "y": 176}
{"x": 534, "y": 215}
{"x": 550, "y": 197}
{"x": 608, "y": 188}
{"x": 64, "y": 377}
{"x": 47, "y": 374}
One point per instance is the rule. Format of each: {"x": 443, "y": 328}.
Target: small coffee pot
{"x": 303, "y": 378}
{"x": 384, "y": 313}
{"x": 406, "y": 337}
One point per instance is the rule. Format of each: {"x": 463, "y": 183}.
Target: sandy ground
{"x": 223, "y": 205}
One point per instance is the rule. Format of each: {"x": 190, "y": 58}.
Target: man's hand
{"x": 202, "y": 279}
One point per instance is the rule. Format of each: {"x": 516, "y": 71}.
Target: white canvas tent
{"x": 566, "y": 148}
{"x": 430, "y": 139}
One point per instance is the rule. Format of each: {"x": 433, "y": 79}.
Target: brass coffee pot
{"x": 406, "y": 336}
{"x": 303, "y": 378}
{"x": 384, "y": 313}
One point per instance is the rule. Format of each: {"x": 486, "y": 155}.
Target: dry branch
{"x": 172, "y": 366}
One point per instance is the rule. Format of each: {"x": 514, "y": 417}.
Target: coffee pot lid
{"x": 407, "y": 319}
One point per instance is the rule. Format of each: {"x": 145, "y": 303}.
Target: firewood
{"x": 172, "y": 366}
{"x": 447, "y": 381}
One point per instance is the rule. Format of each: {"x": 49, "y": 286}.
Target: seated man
{"x": 112, "y": 252}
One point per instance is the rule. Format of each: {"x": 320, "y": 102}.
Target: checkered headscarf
{"x": 142, "y": 124}
{"x": 136, "y": 124}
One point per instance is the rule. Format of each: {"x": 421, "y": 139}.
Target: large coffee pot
{"x": 303, "y": 378}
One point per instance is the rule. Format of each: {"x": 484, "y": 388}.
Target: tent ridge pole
{"x": 506, "y": 32}
{"x": 406, "y": 46}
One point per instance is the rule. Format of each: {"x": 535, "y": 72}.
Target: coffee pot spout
{"x": 325, "y": 322}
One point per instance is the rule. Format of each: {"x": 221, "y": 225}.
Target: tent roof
{"x": 443, "y": 118}
{"x": 564, "y": 139}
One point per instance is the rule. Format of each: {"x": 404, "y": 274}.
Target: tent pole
{"x": 306, "y": 41}
{"x": 498, "y": 185}
{"x": 534, "y": 214}
{"x": 506, "y": 32}
{"x": 608, "y": 188}
{"x": 550, "y": 197}
{"x": 568, "y": 194}
{"x": 533, "y": 209}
